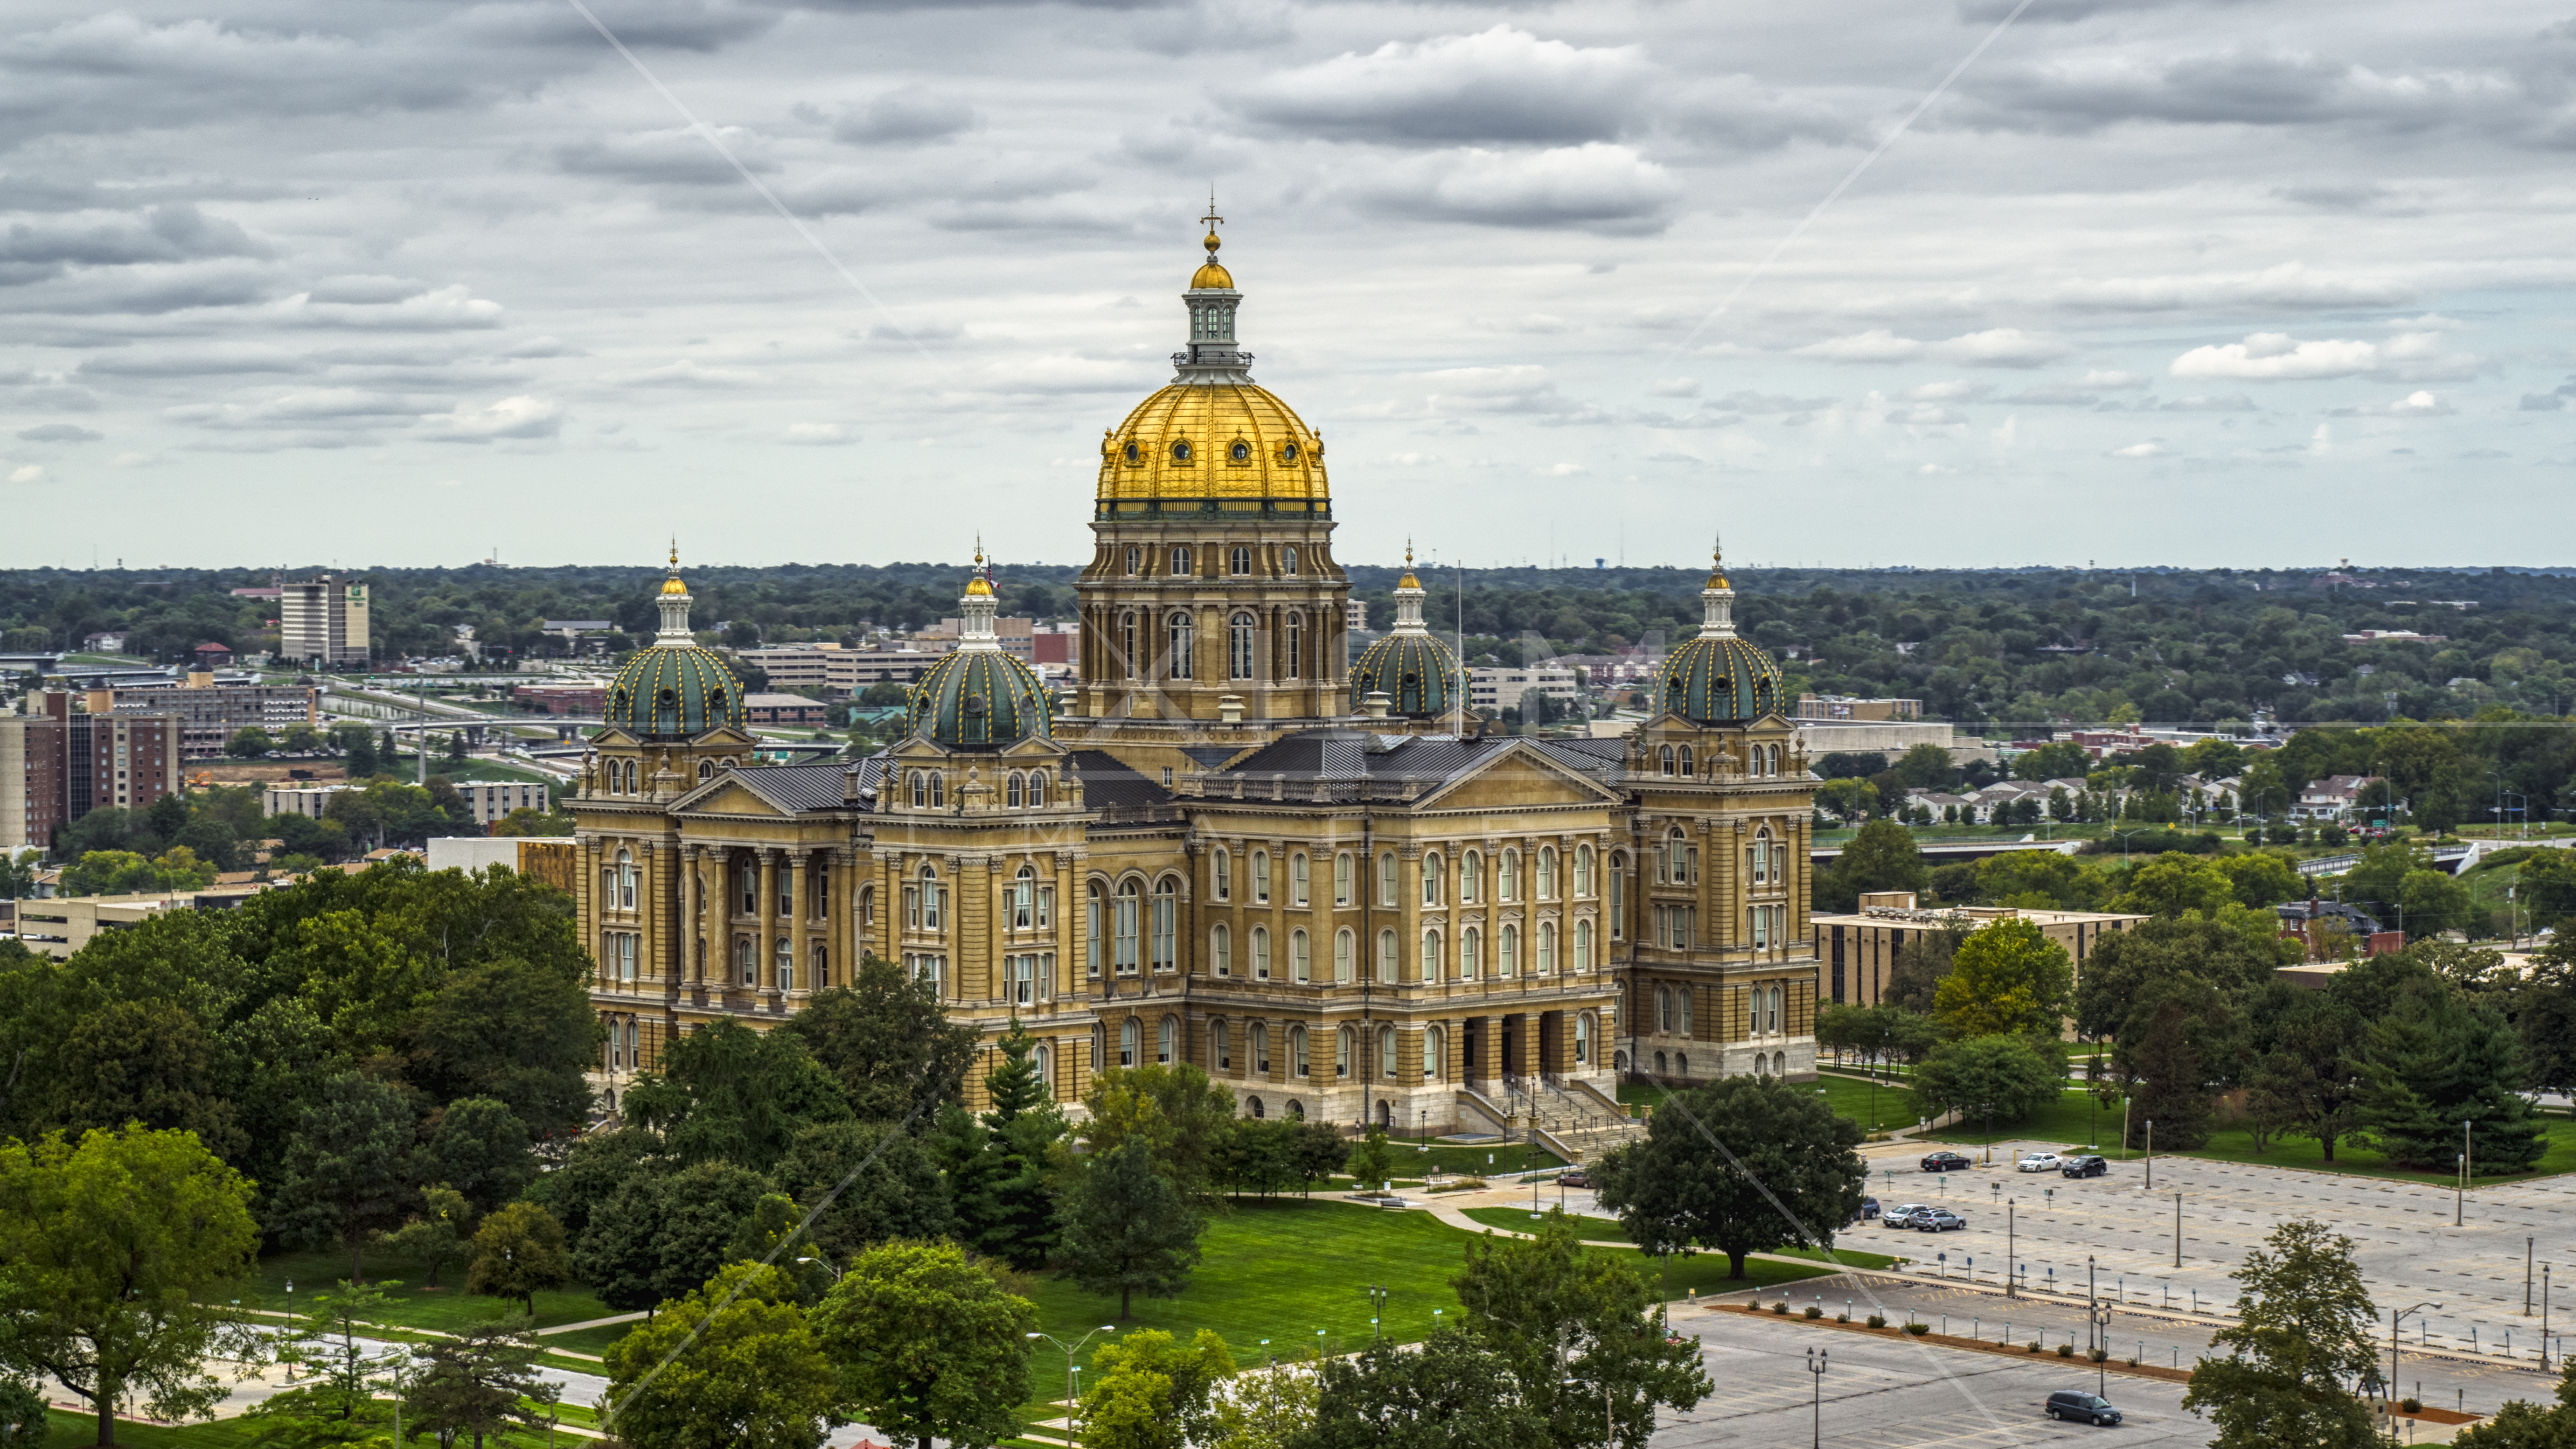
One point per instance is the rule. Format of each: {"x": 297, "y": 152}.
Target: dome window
{"x": 1135, "y": 454}
{"x": 715, "y": 703}
{"x": 1241, "y": 452}
{"x": 1180, "y": 452}
{"x": 1288, "y": 454}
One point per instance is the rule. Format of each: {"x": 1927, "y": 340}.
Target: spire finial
{"x": 675, "y": 551}
{"x": 1408, "y": 550}
{"x": 1717, "y": 549}
{"x": 1212, "y": 220}
{"x": 979, "y": 548}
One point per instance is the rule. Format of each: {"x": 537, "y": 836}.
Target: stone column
{"x": 764, "y": 951}
{"x": 801, "y": 929}
{"x": 691, "y": 963}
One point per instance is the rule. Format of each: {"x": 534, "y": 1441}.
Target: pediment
{"x": 725, "y": 795}
{"x": 1518, "y": 778}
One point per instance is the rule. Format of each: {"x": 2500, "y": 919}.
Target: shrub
{"x": 1842, "y": 1318}
{"x": 1878, "y": 1320}
{"x": 2034, "y": 1345}
{"x": 2066, "y": 1350}
{"x": 2411, "y": 1406}
{"x": 1814, "y": 1313}
{"x": 1918, "y": 1329}
{"x": 2100, "y": 1354}
{"x": 1780, "y": 1307}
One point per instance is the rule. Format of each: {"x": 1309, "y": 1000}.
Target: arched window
{"x": 1583, "y": 1040}
{"x": 1242, "y": 557}
{"x": 783, "y": 964}
{"x": 1779, "y": 1064}
{"x": 1037, "y": 789}
{"x": 1099, "y": 1045}
{"x": 1221, "y": 874}
{"x": 625, "y": 881}
{"x": 1546, "y": 948}
{"x": 1166, "y": 915}
{"x": 1301, "y": 969}
{"x": 1127, "y": 631}
{"x": 1253, "y": 1106}
{"x": 1181, "y": 556}
{"x": 1668, "y": 759}
{"x": 1127, "y": 927}
{"x": 1386, "y": 1051}
{"x": 1685, "y": 858}
{"x": 1177, "y": 627}
{"x": 1297, "y": 1064}
{"x": 1470, "y": 947}
{"x": 1662, "y": 1064}
{"x": 1507, "y": 951}
{"x": 1686, "y": 761}
{"x": 1043, "y": 1060}
{"x": 1342, "y": 1045}
{"x": 1386, "y": 878}
{"x": 1220, "y": 1046}
{"x": 1297, "y": 882}
{"x": 1760, "y": 862}
{"x": 1431, "y": 882}
{"x": 1471, "y": 872}
{"x": 630, "y": 777}
{"x": 1127, "y": 1042}
{"x": 1508, "y": 888}
{"x": 1261, "y": 877}
{"x": 1238, "y": 646}
{"x": 706, "y": 770}
{"x": 1342, "y": 946}
{"x": 1773, "y": 1019}
{"x": 1386, "y": 960}
{"x": 1135, "y": 556}
{"x": 1342, "y": 879}
{"x": 1167, "y": 1039}
{"x": 1761, "y": 1065}
{"x": 1221, "y": 949}
{"x": 1663, "y": 1008}
{"x": 1258, "y": 1040}
{"x": 1545, "y": 880}
{"x": 1095, "y": 909}
{"x": 1682, "y": 1010}
{"x": 1014, "y": 793}
{"x": 1435, "y": 1053}
{"x": 1618, "y": 873}
{"x": 1288, "y": 559}
{"x": 934, "y": 899}
{"x": 1261, "y": 953}
{"x": 1430, "y": 955}
{"x": 1024, "y": 899}
{"x": 1294, "y": 653}
{"x": 1582, "y": 872}
{"x": 1583, "y": 945}
{"x": 938, "y": 791}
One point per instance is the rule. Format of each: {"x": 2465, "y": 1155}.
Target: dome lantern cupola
{"x": 674, "y": 688}
{"x": 1719, "y": 677}
{"x": 979, "y": 697}
{"x": 1410, "y": 666}
{"x": 1212, "y": 355}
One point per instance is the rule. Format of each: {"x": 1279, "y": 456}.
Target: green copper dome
{"x": 1719, "y": 681}
{"x": 1417, "y": 672}
{"x": 979, "y": 699}
{"x": 674, "y": 692}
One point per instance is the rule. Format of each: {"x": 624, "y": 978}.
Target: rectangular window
{"x": 1126, "y": 946}
{"x": 1297, "y": 880}
{"x": 1046, "y": 908}
{"x": 1261, "y": 877}
{"x": 1260, "y": 955}
{"x": 1386, "y": 878}
{"x": 1221, "y": 874}
{"x": 1300, "y": 967}
{"x": 1690, "y": 925}
{"x": 1618, "y": 904}
{"x": 1341, "y": 880}
{"x": 934, "y": 902}
{"x": 1024, "y": 980}
{"x": 1221, "y": 950}
{"x": 912, "y": 908}
{"x": 1694, "y": 866}
{"x": 1164, "y": 956}
{"x": 1092, "y": 910}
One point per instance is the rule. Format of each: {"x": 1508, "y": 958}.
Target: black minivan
{"x": 2089, "y": 1408}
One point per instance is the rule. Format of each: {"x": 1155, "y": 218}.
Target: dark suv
{"x": 2083, "y": 1165}
{"x": 2087, "y": 1408}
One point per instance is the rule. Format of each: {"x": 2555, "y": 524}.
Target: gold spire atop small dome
{"x": 672, "y": 585}
{"x": 1717, "y": 566}
{"x": 977, "y": 586}
{"x": 1212, "y": 275}
{"x": 1410, "y": 582}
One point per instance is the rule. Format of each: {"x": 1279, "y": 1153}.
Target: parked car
{"x": 1946, "y": 1162}
{"x": 1936, "y": 1220}
{"x": 1574, "y": 1177}
{"x": 1902, "y": 1215}
{"x": 2089, "y": 1408}
{"x": 2039, "y": 1162}
{"x": 1868, "y": 1208}
{"x": 2084, "y": 1164}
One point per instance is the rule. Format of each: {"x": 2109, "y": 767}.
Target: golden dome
{"x": 672, "y": 585}
{"x": 977, "y": 588}
{"x": 1211, "y": 278}
{"x": 1234, "y": 442}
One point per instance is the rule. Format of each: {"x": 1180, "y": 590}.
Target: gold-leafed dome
{"x": 1211, "y": 277}
{"x": 672, "y": 585}
{"x": 1234, "y": 442}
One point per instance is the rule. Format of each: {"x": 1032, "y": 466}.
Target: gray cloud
{"x": 905, "y": 116}
{"x": 678, "y": 157}
{"x": 59, "y": 433}
{"x": 1504, "y": 85}
{"x": 1594, "y": 187}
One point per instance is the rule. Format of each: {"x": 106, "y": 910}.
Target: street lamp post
{"x": 1072, "y": 1375}
{"x": 2010, "y": 1247}
{"x": 2177, "y": 1227}
{"x": 2151, "y": 1154}
{"x": 1377, "y": 1308}
{"x": 1816, "y": 1371}
{"x": 2394, "y": 1316}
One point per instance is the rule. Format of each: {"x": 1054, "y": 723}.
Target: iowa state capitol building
{"x": 1222, "y": 848}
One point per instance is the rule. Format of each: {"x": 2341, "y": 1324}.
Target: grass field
{"x": 1609, "y": 1230}
{"x": 445, "y": 1309}
{"x": 71, "y": 1431}
{"x": 1877, "y": 1109}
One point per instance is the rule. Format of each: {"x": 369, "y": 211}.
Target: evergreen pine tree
{"x": 2437, "y": 1060}
{"x": 1023, "y": 1126}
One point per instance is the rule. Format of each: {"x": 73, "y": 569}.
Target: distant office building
{"x": 827, "y": 667}
{"x": 1056, "y": 644}
{"x": 105, "y": 643}
{"x": 572, "y": 699}
{"x": 547, "y": 858}
{"x": 323, "y": 621}
{"x": 211, "y": 710}
{"x": 309, "y": 801}
{"x": 1502, "y": 687}
{"x": 32, "y": 791}
{"x": 493, "y": 800}
{"x": 1845, "y": 707}
{"x": 1858, "y": 949}
{"x": 785, "y": 709}
{"x": 57, "y": 765}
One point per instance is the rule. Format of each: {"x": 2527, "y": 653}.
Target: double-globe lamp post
{"x": 1072, "y": 1375}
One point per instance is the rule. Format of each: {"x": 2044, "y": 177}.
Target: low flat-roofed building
{"x": 309, "y": 801}
{"x": 548, "y": 858}
{"x": 1856, "y": 952}
{"x": 785, "y": 709}
{"x": 493, "y": 800}
{"x": 60, "y": 925}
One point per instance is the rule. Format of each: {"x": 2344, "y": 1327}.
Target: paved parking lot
{"x": 2402, "y": 1233}
{"x": 1898, "y": 1395}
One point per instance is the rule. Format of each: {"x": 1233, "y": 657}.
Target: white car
{"x": 2040, "y": 1162}
{"x": 1902, "y": 1215}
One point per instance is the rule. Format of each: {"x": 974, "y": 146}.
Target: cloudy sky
{"x": 402, "y": 282}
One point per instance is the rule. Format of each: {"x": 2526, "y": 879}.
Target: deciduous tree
{"x": 1153, "y": 1392}
{"x": 1676, "y": 1188}
{"x": 887, "y": 1039}
{"x": 737, "y": 1363}
{"x": 1455, "y": 1389}
{"x": 1128, "y": 1229}
{"x": 436, "y": 1236}
{"x": 1987, "y": 1079}
{"x": 2007, "y": 977}
{"x": 351, "y": 1168}
{"x": 1582, "y": 1331}
{"x": 928, "y": 1343}
{"x": 519, "y": 1252}
{"x": 2302, "y": 1335}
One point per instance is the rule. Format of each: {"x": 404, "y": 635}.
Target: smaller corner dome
{"x": 980, "y": 699}
{"x": 668, "y": 692}
{"x": 1725, "y": 680}
{"x": 1211, "y": 277}
{"x": 1417, "y": 673}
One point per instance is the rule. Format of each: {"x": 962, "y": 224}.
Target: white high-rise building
{"x": 322, "y": 621}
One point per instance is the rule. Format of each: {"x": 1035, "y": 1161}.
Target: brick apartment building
{"x": 57, "y": 765}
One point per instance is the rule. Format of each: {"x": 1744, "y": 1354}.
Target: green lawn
{"x": 1284, "y": 1270}
{"x": 1877, "y": 1109}
{"x": 445, "y": 1309}
{"x": 1478, "y": 1159}
{"x": 1609, "y": 1230}
{"x": 71, "y": 1431}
